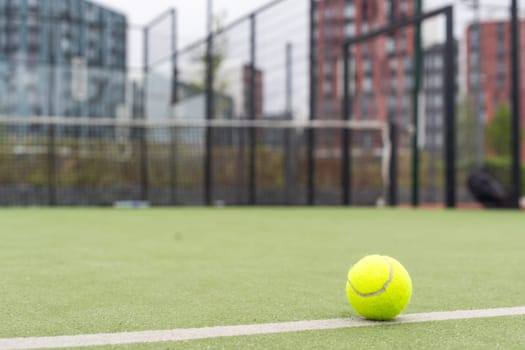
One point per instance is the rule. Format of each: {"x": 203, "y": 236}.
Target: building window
{"x": 350, "y": 29}
{"x": 474, "y": 36}
{"x": 474, "y": 78}
{"x": 438, "y": 62}
{"x": 408, "y": 83}
{"x": 501, "y": 33}
{"x": 436, "y": 81}
{"x": 406, "y": 102}
{"x": 392, "y": 64}
{"x": 364, "y": 50}
{"x": 367, "y": 84}
{"x": 501, "y": 81}
{"x": 403, "y": 43}
{"x": 364, "y": 110}
{"x": 392, "y": 99}
{"x": 327, "y": 12}
{"x": 438, "y": 102}
{"x": 407, "y": 62}
{"x": 349, "y": 11}
{"x": 403, "y": 7}
{"x": 393, "y": 84}
{"x": 474, "y": 59}
{"x": 327, "y": 88}
{"x": 390, "y": 45}
{"x": 328, "y": 68}
{"x": 367, "y": 66}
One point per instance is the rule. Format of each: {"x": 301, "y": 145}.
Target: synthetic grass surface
{"x": 70, "y": 271}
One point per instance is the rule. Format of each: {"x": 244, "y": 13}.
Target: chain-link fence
{"x": 282, "y": 62}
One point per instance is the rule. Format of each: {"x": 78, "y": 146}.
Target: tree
{"x": 220, "y": 47}
{"x": 498, "y": 133}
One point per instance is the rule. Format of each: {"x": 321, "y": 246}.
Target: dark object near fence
{"x": 488, "y": 191}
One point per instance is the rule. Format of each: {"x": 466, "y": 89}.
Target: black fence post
{"x": 210, "y": 111}
{"x": 241, "y": 193}
{"x": 418, "y": 61}
{"x": 51, "y": 164}
{"x": 392, "y": 164}
{"x": 448, "y": 85}
{"x": 174, "y": 100}
{"x": 346, "y": 157}
{"x": 450, "y": 111}
{"x": 313, "y": 109}
{"x": 516, "y": 106}
{"x": 51, "y": 155}
{"x": 144, "y": 181}
{"x": 287, "y": 131}
{"x": 252, "y": 111}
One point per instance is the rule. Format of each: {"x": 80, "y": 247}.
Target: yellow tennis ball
{"x": 378, "y": 287}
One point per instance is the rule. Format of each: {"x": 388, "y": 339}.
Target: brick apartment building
{"x": 489, "y": 53}
{"x": 433, "y": 90}
{"x": 383, "y": 67}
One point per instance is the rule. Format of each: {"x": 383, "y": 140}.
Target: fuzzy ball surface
{"x": 378, "y": 287}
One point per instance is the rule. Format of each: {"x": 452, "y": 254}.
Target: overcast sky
{"x": 286, "y": 24}
{"x": 192, "y": 13}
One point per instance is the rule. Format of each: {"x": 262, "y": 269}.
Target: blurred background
{"x": 113, "y": 100}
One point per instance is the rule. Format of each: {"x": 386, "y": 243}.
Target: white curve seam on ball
{"x": 380, "y": 291}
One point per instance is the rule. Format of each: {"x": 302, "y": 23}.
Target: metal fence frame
{"x": 516, "y": 104}
{"x": 346, "y": 156}
{"x": 210, "y": 96}
{"x": 448, "y": 102}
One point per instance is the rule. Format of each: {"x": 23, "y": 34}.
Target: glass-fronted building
{"x": 61, "y": 57}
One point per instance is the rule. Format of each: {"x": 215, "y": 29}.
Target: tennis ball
{"x": 378, "y": 287}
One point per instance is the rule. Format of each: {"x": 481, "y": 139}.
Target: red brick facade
{"x": 382, "y": 85}
{"x": 331, "y": 16}
{"x": 387, "y": 64}
{"x": 330, "y": 35}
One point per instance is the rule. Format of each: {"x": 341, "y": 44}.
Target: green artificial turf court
{"x": 83, "y": 271}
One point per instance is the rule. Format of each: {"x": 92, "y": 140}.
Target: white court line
{"x": 241, "y": 330}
